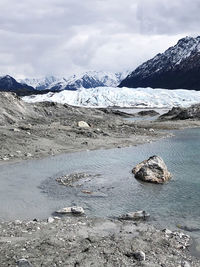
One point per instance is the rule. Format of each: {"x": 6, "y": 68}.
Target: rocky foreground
{"x": 36, "y": 130}
{"x": 74, "y": 241}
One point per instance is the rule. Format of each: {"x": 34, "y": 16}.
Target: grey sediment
{"x": 29, "y": 131}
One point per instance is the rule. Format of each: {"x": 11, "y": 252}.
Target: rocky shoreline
{"x": 29, "y": 131}
{"x": 82, "y": 241}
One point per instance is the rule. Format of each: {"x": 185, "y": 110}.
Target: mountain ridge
{"x": 177, "y": 68}
{"x": 88, "y": 79}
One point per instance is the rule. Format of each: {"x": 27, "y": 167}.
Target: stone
{"x": 83, "y": 124}
{"x": 50, "y": 220}
{"x": 17, "y": 222}
{"x": 77, "y": 210}
{"x": 16, "y": 130}
{"x": 137, "y": 215}
{"x": 167, "y": 231}
{"x": 73, "y": 210}
{"x": 185, "y": 264}
{"x": 152, "y": 170}
{"x": 24, "y": 263}
{"x": 139, "y": 255}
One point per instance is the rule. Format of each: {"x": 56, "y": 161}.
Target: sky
{"x": 62, "y": 37}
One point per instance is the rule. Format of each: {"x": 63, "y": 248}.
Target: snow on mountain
{"x": 90, "y": 79}
{"x": 123, "y": 97}
{"x": 39, "y": 83}
{"x": 178, "y": 67}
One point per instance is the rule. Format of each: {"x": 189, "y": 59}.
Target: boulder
{"x": 152, "y": 170}
{"x": 137, "y": 215}
{"x": 24, "y": 263}
{"x": 83, "y": 124}
{"x": 71, "y": 210}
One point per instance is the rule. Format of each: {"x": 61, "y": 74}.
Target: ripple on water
{"x": 29, "y": 189}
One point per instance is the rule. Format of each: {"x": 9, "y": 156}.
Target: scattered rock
{"x": 148, "y": 113}
{"x": 28, "y": 155}
{"x": 18, "y": 222}
{"x": 16, "y": 130}
{"x": 138, "y": 215}
{"x": 139, "y": 255}
{"x": 24, "y": 263}
{"x": 83, "y": 124}
{"x": 152, "y": 170}
{"x": 71, "y": 210}
{"x": 25, "y": 128}
{"x": 50, "y": 220}
{"x": 71, "y": 179}
{"x": 77, "y": 210}
{"x": 167, "y": 232}
{"x": 185, "y": 264}
{"x": 151, "y": 130}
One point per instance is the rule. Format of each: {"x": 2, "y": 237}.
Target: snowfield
{"x": 122, "y": 97}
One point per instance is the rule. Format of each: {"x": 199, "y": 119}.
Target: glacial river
{"x": 28, "y": 189}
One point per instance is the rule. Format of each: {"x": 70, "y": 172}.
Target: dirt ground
{"x": 74, "y": 241}
{"x": 42, "y": 129}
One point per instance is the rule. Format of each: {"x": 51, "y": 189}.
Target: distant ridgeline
{"x": 177, "y": 68}
{"x": 9, "y": 84}
{"x": 90, "y": 79}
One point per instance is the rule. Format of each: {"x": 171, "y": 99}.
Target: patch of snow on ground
{"x": 123, "y": 97}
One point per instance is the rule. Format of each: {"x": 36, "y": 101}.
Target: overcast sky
{"x": 60, "y": 37}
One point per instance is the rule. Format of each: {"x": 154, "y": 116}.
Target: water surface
{"x": 28, "y": 189}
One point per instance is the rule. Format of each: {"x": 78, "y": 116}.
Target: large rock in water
{"x": 152, "y": 170}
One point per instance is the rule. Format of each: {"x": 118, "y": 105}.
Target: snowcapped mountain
{"x": 122, "y": 97}
{"x": 9, "y": 84}
{"x": 178, "y": 67}
{"x": 90, "y": 79}
{"x": 39, "y": 83}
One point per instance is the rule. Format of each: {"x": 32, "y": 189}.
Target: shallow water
{"x": 29, "y": 189}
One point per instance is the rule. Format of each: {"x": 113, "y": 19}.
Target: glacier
{"x": 121, "y": 97}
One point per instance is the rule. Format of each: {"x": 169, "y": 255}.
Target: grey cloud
{"x": 168, "y": 17}
{"x": 63, "y": 36}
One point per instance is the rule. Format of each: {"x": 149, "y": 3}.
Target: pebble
{"x": 139, "y": 255}
{"x": 17, "y": 222}
{"x": 73, "y": 210}
{"x": 28, "y": 155}
{"x": 16, "y": 130}
{"x": 185, "y": 264}
{"x": 50, "y": 220}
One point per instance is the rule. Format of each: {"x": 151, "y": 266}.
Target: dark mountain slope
{"x": 177, "y": 68}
